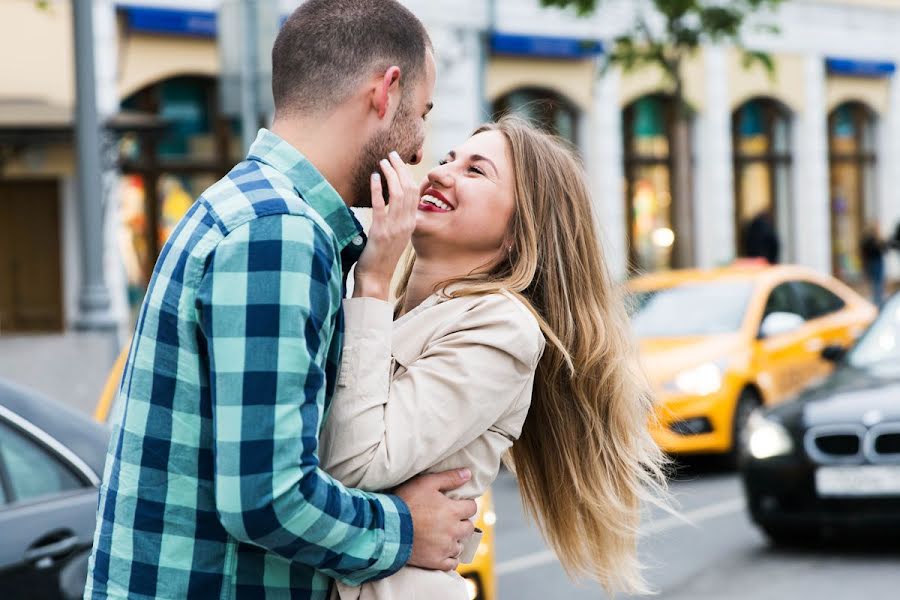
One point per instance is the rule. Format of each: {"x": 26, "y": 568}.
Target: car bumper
{"x": 781, "y": 492}
{"x": 715, "y": 410}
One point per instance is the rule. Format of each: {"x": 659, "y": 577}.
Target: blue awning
{"x": 859, "y": 68}
{"x": 545, "y": 47}
{"x": 199, "y": 23}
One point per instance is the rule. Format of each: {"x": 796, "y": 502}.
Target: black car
{"x": 51, "y": 462}
{"x": 830, "y": 459}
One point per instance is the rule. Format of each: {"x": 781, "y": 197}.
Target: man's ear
{"x": 389, "y": 84}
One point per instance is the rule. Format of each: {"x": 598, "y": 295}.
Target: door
{"x": 780, "y": 357}
{"x": 30, "y": 274}
{"x": 47, "y": 516}
{"x": 829, "y": 324}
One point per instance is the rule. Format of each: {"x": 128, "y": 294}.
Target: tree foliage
{"x": 674, "y": 30}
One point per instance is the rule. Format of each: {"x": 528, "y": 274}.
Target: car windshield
{"x": 690, "y": 309}
{"x": 879, "y": 347}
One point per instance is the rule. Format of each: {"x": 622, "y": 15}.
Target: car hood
{"x": 664, "y": 358}
{"x": 846, "y": 396}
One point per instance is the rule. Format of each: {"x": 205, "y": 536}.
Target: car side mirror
{"x": 779, "y": 323}
{"x": 834, "y": 353}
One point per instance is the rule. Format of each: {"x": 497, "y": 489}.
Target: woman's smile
{"x": 434, "y": 201}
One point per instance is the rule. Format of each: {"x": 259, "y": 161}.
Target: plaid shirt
{"x": 212, "y": 486}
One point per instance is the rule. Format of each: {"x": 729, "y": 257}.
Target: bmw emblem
{"x": 872, "y": 417}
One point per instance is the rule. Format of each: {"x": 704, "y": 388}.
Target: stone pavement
{"x": 69, "y": 367}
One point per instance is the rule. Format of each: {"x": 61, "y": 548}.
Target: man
{"x": 212, "y": 487}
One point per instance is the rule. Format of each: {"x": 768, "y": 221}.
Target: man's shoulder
{"x": 253, "y": 190}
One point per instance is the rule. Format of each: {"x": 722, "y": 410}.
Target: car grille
{"x": 854, "y": 444}
{"x": 839, "y": 444}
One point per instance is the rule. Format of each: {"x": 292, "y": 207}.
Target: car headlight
{"x": 701, "y": 381}
{"x": 766, "y": 438}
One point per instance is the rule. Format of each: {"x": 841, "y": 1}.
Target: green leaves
{"x": 582, "y": 7}
{"x": 686, "y": 25}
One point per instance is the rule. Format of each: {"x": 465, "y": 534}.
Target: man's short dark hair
{"x": 327, "y": 47}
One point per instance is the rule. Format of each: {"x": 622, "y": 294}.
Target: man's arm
{"x": 265, "y": 305}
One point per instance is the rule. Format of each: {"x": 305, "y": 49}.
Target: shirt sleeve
{"x": 383, "y": 430}
{"x": 267, "y": 305}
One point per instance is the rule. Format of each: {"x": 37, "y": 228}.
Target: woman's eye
{"x": 476, "y": 170}
{"x": 443, "y": 162}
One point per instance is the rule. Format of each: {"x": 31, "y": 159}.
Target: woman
{"x": 506, "y": 311}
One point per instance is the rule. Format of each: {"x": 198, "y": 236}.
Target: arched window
{"x": 852, "y": 157}
{"x": 163, "y": 173}
{"x": 550, "y": 110}
{"x": 648, "y": 125}
{"x": 762, "y": 163}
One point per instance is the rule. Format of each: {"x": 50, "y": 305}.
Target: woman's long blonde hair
{"x": 585, "y": 461}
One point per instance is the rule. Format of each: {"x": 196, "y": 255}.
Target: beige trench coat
{"x": 448, "y": 385}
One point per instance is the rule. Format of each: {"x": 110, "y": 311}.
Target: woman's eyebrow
{"x": 478, "y": 157}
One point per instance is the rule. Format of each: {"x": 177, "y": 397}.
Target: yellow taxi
{"x": 481, "y": 581}
{"x": 720, "y": 343}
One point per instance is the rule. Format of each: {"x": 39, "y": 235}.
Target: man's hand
{"x": 440, "y": 524}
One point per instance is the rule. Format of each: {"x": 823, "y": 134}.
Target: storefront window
{"x": 762, "y": 162}
{"x": 164, "y": 172}
{"x": 851, "y": 143}
{"x": 548, "y": 109}
{"x": 648, "y": 170}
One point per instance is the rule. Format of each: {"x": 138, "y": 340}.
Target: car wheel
{"x": 747, "y": 402}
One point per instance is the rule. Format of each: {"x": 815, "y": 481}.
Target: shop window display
{"x": 762, "y": 163}
{"x": 648, "y": 170}
{"x": 852, "y": 155}
{"x": 164, "y": 173}
{"x": 546, "y": 108}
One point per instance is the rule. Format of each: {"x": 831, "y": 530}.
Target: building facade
{"x": 813, "y": 145}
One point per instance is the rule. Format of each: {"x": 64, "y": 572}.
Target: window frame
{"x": 790, "y": 285}
{"x": 801, "y": 294}
{"x": 52, "y": 447}
{"x": 773, "y": 159}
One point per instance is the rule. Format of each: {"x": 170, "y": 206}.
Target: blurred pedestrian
{"x": 872, "y": 249}
{"x": 761, "y": 238}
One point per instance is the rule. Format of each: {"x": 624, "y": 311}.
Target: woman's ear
{"x": 388, "y": 85}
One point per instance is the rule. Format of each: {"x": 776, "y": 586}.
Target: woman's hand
{"x": 392, "y": 227}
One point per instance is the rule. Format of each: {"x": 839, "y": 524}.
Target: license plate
{"x": 858, "y": 481}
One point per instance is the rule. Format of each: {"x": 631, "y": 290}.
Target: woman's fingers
{"x": 395, "y": 189}
{"x": 377, "y": 197}
{"x": 410, "y": 187}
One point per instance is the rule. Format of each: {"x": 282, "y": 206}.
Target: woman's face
{"x": 468, "y": 200}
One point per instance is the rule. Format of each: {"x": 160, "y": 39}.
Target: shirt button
{"x": 358, "y": 241}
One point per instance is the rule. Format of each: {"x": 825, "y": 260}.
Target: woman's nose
{"x": 441, "y": 175}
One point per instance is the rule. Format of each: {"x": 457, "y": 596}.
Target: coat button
{"x": 358, "y": 240}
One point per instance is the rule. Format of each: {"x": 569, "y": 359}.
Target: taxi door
{"x": 829, "y": 323}
{"x": 780, "y": 357}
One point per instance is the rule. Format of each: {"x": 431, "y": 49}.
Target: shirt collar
{"x": 271, "y": 149}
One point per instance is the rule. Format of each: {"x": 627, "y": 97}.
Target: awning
{"x": 27, "y": 121}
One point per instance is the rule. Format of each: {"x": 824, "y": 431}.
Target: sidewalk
{"x": 70, "y": 367}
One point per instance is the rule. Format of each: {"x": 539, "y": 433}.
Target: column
{"x": 603, "y": 157}
{"x": 811, "y": 221}
{"x": 93, "y": 300}
{"x": 714, "y": 191}
{"x": 888, "y": 157}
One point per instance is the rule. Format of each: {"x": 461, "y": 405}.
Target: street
{"x": 722, "y": 556}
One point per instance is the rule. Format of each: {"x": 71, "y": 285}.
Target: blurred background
{"x": 720, "y": 140}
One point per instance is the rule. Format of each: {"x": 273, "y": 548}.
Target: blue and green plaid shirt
{"x": 212, "y": 487}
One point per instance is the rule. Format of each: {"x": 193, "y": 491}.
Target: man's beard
{"x": 399, "y": 136}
